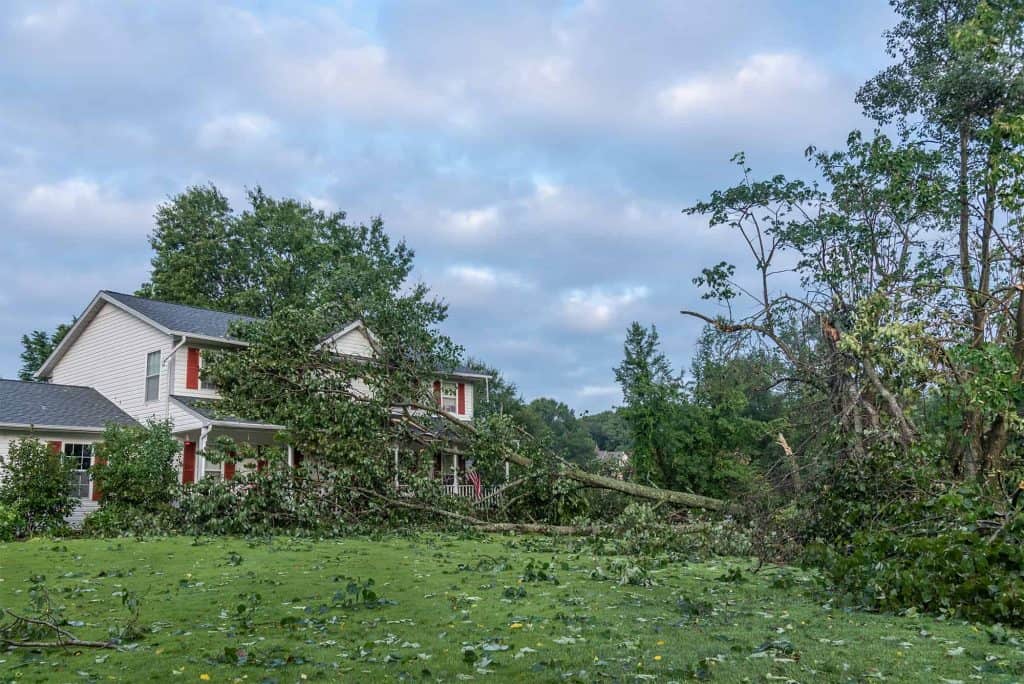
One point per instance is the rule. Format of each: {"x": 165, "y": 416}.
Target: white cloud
{"x": 595, "y": 309}
{"x": 81, "y": 207}
{"x": 235, "y": 130}
{"x": 760, "y": 82}
{"x": 472, "y": 224}
{"x": 354, "y": 77}
{"x": 483, "y": 277}
{"x": 467, "y": 285}
{"x": 53, "y": 19}
{"x": 600, "y": 392}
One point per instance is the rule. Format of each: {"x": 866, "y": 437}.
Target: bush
{"x": 956, "y": 553}
{"x": 10, "y": 523}
{"x": 36, "y": 487}
{"x": 134, "y": 467}
{"x": 128, "y": 521}
{"x": 256, "y": 503}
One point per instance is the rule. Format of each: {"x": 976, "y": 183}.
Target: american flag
{"x": 474, "y": 479}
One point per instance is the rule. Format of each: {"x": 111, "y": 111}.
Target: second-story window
{"x": 152, "y": 376}
{"x": 204, "y": 383}
{"x": 449, "y": 397}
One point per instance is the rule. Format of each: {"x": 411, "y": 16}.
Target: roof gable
{"x": 172, "y": 319}
{"x": 367, "y": 346}
{"x": 42, "y": 404}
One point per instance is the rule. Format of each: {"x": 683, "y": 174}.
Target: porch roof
{"x": 206, "y": 410}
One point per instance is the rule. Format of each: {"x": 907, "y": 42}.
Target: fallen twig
{"x": 64, "y": 637}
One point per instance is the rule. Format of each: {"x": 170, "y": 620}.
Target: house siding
{"x": 110, "y": 356}
{"x": 354, "y": 343}
{"x": 180, "y": 370}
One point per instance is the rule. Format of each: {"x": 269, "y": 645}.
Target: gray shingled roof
{"x": 207, "y": 408}
{"x": 181, "y": 318}
{"x": 40, "y": 403}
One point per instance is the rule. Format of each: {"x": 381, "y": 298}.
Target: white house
{"x": 131, "y": 359}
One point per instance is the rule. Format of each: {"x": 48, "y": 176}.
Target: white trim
{"x": 142, "y": 317}
{"x": 478, "y": 376}
{"x": 225, "y": 341}
{"x": 354, "y": 325}
{"x": 247, "y": 426}
{"x": 87, "y": 315}
{"x": 53, "y": 428}
{"x": 210, "y": 423}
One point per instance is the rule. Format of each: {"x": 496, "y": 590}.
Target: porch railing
{"x": 460, "y": 490}
{"x": 489, "y": 496}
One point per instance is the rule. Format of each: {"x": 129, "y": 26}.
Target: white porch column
{"x": 455, "y": 471}
{"x": 506, "y": 471}
{"x": 291, "y": 456}
{"x": 396, "y": 467}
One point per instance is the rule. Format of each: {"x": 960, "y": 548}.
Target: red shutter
{"x": 188, "y": 463}
{"x": 437, "y": 393}
{"x": 96, "y": 493}
{"x": 192, "y": 369}
{"x": 229, "y": 470}
{"x": 462, "y": 398}
{"x": 297, "y": 458}
{"x": 261, "y": 465}
{"x": 54, "y": 447}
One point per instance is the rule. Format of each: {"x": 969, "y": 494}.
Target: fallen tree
{"x": 423, "y": 435}
{"x": 349, "y": 410}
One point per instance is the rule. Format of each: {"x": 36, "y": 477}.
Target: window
{"x": 203, "y": 382}
{"x": 152, "y": 376}
{"x": 80, "y": 456}
{"x": 212, "y": 470}
{"x": 449, "y": 397}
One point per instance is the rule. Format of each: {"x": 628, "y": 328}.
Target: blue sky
{"x": 537, "y": 155}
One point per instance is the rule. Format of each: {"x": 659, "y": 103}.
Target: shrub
{"x": 10, "y": 523}
{"x": 255, "y": 503}
{"x": 36, "y": 486}
{"x": 959, "y": 552}
{"x": 128, "y": 521}
{"x": 134, "y": 467}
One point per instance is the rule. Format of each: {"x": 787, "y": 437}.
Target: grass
{"x": 445, "y": 609}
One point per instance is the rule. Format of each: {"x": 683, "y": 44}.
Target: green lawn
{"x": 459, "y": 609}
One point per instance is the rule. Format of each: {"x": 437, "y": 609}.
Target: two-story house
{"x": 130, "y": 359}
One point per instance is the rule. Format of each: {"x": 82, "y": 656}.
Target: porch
{"x": 214, "y": 427}
{"x": 458, "y": 477}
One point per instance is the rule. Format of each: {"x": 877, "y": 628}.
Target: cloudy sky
{"x": 537, "y": 155}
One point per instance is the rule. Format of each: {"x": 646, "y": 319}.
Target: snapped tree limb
{"x": 571, "y": 472}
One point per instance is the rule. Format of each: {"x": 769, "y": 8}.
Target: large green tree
{"x": 565, "y": 434}
{"x": 608, "y": 429}
{"x": 910, "y": 254}
{"x": 278, "y": 254}
{"x": 956, "y": 86}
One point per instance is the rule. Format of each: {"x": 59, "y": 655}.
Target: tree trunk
{"x": 971, "y": 446}
{"x": 633, "y": 489}
{"x": 590, "y": 479}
